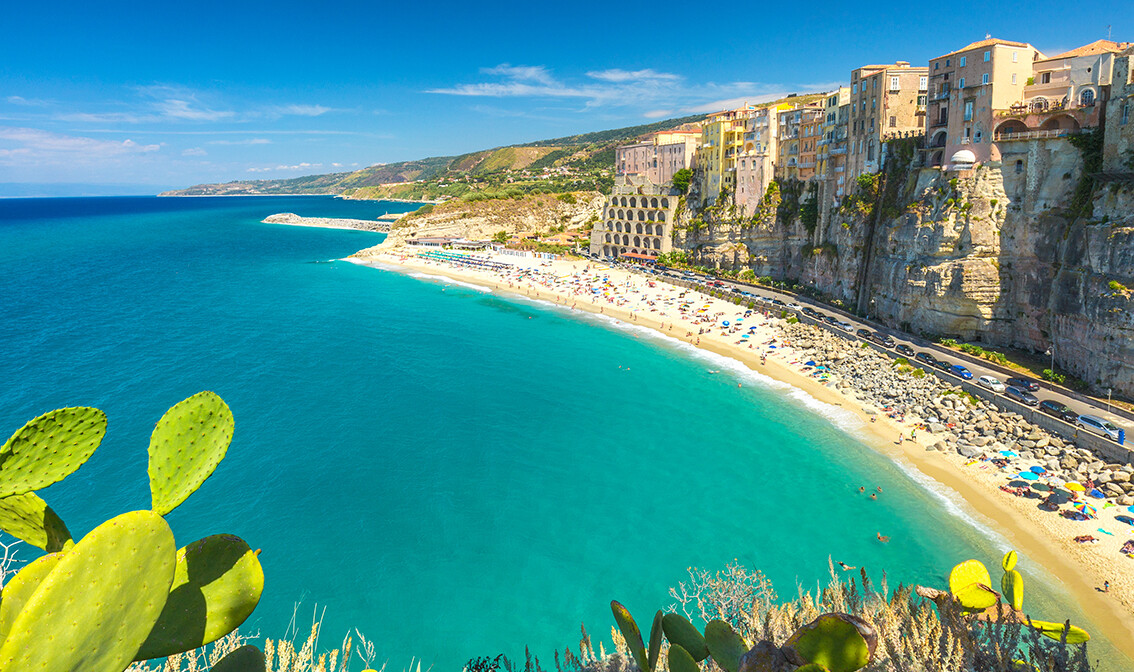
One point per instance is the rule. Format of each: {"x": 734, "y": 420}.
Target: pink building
{"x": 658, "y": 156}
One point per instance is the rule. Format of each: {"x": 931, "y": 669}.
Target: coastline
{"x": 1044, "y": 538}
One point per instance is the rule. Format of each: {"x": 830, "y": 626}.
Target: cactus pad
{"x": 680, "y": 660}
{"x": 656, "y": 634}
{"x": 49, "y": 448}
{"x": 29, "y": 518}
{"x": 967, "y": 573}
{"x": 1075, "y": 634}
{"x": 216, "y": 585}
{"x": 679, "y": 631}
{"x": 1012, "y": 586}
{"x": 188, "y": 443}
{"x": 20, "y": 589}
{"x": 245, "y": 659}
{"x": 631, "y": 634}
{"x": 96, "y": 607}
{"x": 726, "y": 646}
{"x": 838, "y": 642}
{"x": 1009, "y": 561}
{"x": 976, "y": 597}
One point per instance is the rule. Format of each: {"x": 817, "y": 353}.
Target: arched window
{"x": 1019, "y": 166}
{"x": 665, "y": 202}
{"x": 621, "y": 215}
{"x": 661, "y": 216}
{"x": 641, "y": 215}
{"x": 637, "y": 241}
{"x": 650, "y": 216}
{"x": 608, "y": 237}
{"x": 614, "y": 201}
{"x": 1039, "y": 104}
{"x": 650, "y": 229}
{"x": 638, "y": 228}
{"x": 624, "y": 201}
{"x": 653, "y": 202}
{"x": 625, "y": 240}
{"x": 606, "y": 250}
{"x": 633, "y": 202}
{"x": 1087, "y": 97}
{"x": 657, "y": 243}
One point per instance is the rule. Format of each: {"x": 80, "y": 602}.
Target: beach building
{"x": 885, "y": 101}
{"x": 966, "y": 87}
{"x": 722, "y": 142}
{"x": 831, "y": 155}
{"x": 659, "y": 155}
{"x": 1064, "y": 94}
{"x": 1119, "y": 137}
{"x": 637, "y": 219}
{"x": 791, "y": 123}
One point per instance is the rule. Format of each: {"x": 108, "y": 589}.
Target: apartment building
{"x": 1065, "y": 93}
{"x": 722, "y": 142}
{"x": 790, "y": 126}
{"x": 755, "y": 167}
{"x": 637, "y": 220}
{"x": 885, "y": 101}
{"x": 1119, "y": 146}
{"x": 659, "y": 155}
{"x": 810, "y": 133}
{"x": 831, "y": 156}
{"x": 966, "y": 87}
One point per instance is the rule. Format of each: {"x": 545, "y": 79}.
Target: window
{"x": 984, "y": 78}
{"x": 1015, "y": 56}
{"x": 968, "y": 110}
{"x": 978, "y": 136}
{"x": 923, "y": 83}
{"x": 961, "y": 83}
{"x": 922, "y": 99}
{"x": 937, "y": 65}
{"x": 963, "y": 59}
{"x": 893, "y": 122}
{"x": 987, "y": 56}
{"x": 1013, "y": 79}
{"x": 1045, "y": 78}
{"x": 1087, "y": 98}
{"x": 1019, "y": 162}
{"x": 947, "y": 62}
{"x": 854, "y": 89}
{"x": 1125, "y": 112}
{"x": 894, "y": 84}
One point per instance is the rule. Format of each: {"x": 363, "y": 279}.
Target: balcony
{"x": 840, "y": 169}
{"x": 939, "y": 122}
{"x": 1037, "y": 135}
{"x": 837, "y": 150}
{"x": 806, "y": 164}
{"x": 944, "y": 95}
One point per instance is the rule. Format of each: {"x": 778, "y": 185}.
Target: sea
{"x": 451, "y": 472}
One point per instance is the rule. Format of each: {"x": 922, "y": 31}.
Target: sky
{"x": 138, "y": 97}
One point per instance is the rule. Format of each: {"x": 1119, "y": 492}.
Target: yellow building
{"x": 722, "y": 141}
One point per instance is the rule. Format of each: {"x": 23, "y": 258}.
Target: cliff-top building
{"x": 722, "y": 142}
{"x": 1119, "y": 145}
{"x": 659, "y": 155}
{"x": 885, "y": 101}
{"x": 832, "y": 153}
{"x": 966, "y": 87}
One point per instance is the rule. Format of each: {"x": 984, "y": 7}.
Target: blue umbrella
{"x": 1038, "y": 470}
{"x": 810, "y": 362}
{"x": 1028, "y": 476}
{"x": 725, "y": 323}
{"x": 1130, "y": 509}
{"x": 1008, "y": 453}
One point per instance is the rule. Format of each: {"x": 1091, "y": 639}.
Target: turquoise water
{"x": 452, "y": 472}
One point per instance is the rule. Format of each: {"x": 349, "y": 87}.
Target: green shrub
{"x": 568, "y": 198}
{"x": 1116, "y": 286}
{"x": 948, "y": 342}
{"x": 918, "y": 373}
{"x": 1053, "y": 376}
{"x": 793, "y": 320}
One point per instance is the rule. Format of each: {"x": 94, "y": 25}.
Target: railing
{"x": 806, "y": 164}
{"x": 1034, "y": 135}
{"x": 939, "y": 122}
{"x": 838, "y": 150}
{"x": 840, "y": 169}
{"x": 965, "y": 141}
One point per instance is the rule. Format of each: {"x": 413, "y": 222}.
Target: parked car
{"x": 1021, "y": 395}
{"x": 845, "y": 326}
{"x": 882, "y": 339}
{"x": 810, "y": 312}
{"x": 1098, "y": 425}
{"x": 777, "y": 302}
{"x": 958, "y": 370}
{"x": 863, "y": 333}
{"x": 828, "y": 319}
{"x": 793, "y": 306}
{"x": 943, "y": 365}
{"x": 1059, "y": 410}
{"x": 991, "y": 383}
{"x": 904, "y": 349}
{"x": 926, "y": 358}
{"x": 1025, "y": 383}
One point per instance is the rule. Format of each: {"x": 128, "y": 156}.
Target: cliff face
{"x": 995, "y": 255}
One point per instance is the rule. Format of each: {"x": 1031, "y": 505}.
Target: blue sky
{"x": 175, "y": 94}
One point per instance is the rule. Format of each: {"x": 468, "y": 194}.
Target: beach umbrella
{"x": 810, "y": 362}
{"x": 1125, "y": 519}
{"x": 1074, "y": 487}
{"x": 1028, "y": 476}
{"x": 1130, "y": 509}
{"x": 1008, "y": 453}
{"x": 1096, "y": 493}
{"x": 1038, "y": 470}
{"x": 1085, "y": 509}
{"x": 1042, "y": 487}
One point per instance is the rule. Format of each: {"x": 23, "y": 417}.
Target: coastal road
{"x": 917, "y": 344}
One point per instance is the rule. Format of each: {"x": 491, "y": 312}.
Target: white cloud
{"x": 618, "y": 75}
{"x": 303, "y": 110}
{"x": 33, "y": 145}
{"x": 27, "y": 102}
{"x": 174, "y": 108}
{"x": 298, "y": 166}
{"x": 249, "y": 141}
{"x": 194, "y": 151}
{"x": 522, "y": 73}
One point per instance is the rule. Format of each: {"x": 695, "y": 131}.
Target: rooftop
{"x": 989, "y": 42}
{"x": 1092, "y": 49}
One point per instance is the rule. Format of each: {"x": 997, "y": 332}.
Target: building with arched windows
{"x": 637, "y": 219}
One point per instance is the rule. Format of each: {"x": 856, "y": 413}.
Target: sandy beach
{"x": 759, "y": 342}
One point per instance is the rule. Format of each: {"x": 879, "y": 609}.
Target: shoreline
{"x": 1044, "y": 538}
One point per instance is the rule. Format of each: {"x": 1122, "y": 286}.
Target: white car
{"x": 846, "y": 326}
{"x": 991, "y": 383}
{"x": 1098, "y": 425}
{"x": 793, "y": 306}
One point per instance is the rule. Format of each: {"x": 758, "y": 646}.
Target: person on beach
{"x": 845, "y": 566}
{"x": 884, "y": 540}
{"x": 862, "y": 488}
{"x": 880, "y": 489}
{"x": 1106, "y": 586}
{"x": 874, "y": 496}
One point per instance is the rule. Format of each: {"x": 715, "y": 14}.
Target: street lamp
{"x": 1051, "y": 352}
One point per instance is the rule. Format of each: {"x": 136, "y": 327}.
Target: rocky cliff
{"x": 1028, "y": 252}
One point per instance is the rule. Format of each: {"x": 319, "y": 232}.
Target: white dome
{"x": 963, "y": 156}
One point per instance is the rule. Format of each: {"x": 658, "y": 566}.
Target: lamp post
{"x": 1108, "y": 391}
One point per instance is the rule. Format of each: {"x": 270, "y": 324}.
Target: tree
{"x": 500, "y": 237}
{"x": 681, "y": 180}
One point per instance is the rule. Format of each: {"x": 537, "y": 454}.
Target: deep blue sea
{"x": 452, "y": 472}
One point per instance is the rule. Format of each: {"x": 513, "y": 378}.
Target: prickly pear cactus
{"x": 656, "y": 634}
{"x": 1075, "y": 634}
{"x": 971, "y": 586}
{"x": 726, "y": 646}
{"x": 247, "y": 658}
{"x": 679, "y": 631}
{"x": 838, "y": 642}
{"x": 29, "y": 518}
{"x": 96, "y": 607}
{"x": 680, "y": 660}
{"x": 1012, "y": 587}
{"x": 1009, "y": 561}
{"x": 49, "y": 448}
{"x": 216, "y": 585}
{"x": 188, "y": 443}
{"x": 19, "y": 590}
{"x": 631, "y": 634}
